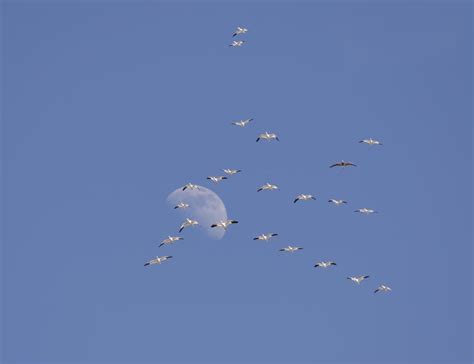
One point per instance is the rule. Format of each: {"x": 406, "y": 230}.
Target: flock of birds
{"x": 225, "y": 224}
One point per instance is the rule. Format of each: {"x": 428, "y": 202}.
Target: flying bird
{"x": 337, "y": 202}
{"x": 303, "y": 197}
{"x": 324, "y": 264}
{"x": 224, "y": 224}
{"x": 237, "y": 43}
{"x": 182, "y": 205}
{"x": 370, "y": 141}
{"x": 358, "y": 279}
{"x": 216, "y": 179}
{"x": 187, "y": 223}
{"x": 231, "y": 172}
{"x": 268, "y": 136}
{"x": 342, "y": 164}
{"x": 170, "y": 240}
{"x": 383, "y": 288}
{"x": 265, "y": 237}
{"x": 268, "y": 186}
{"x": 242, "y": 123}
{"x": 240, "y": 30}
{"x": 291, "y": 249}
{"x": 366, "y": 211}
{"x": 158, "y": 260}
{"x": 190, "y": 186}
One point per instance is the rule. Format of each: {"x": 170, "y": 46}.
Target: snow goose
{"x": 337, "y": 202}
{"x": 216, "y": 179}
{"x": 158, "y": 260}
{"x": 240, "y": 30}
{"x": 170, "y": 240}
{"x": 383, "y": 288}
{"x": 190, "y": 186}
{"x": 268, "y": 136}
{"x": 237, "y": 43}
{"x": 366, "y": 211}
{"x": 358, "y": 279}
{"x": 231, "y": 172}
{"x": 324, "y": 264}
{"x": 342, "y": 164}
{"x": 265, "y": 237}
{"x": 291, "y": 249}
{"x": 303, "y": 197}
{"x": 187, "y": 223}
{"x": 224, "y": 224}
{"x": 370, "y": 141}
{"x": 242, "y": 123}
{"x": 268, "y": 187}
{"x": 182, "y": 205}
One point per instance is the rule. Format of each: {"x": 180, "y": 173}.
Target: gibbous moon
{"x": 205, "y": 206}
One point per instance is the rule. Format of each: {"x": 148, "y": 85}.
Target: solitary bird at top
{"x": 268, "y": 187}
{"x": 182, "y": 205}
{"x": 342, "y": 164}
{"x": 237, "y": 43}
{"x": 190, "y": 186}
{"x": 291, "y": 249}
{"x": 158, "y": 260}
{"x": 240, "y": 30}
{"x": 304, "y": 197}
{"x": 383, "y": 288}
{"x": 268, "y": 136}
{"x": 231, "y": 172}
{"x": 358, "y": 279}
{"x": 187, "y": 223}
{"x": 224, "y": 224}
{"x": 370, "y": 141}
{"x": 242, "y": 123}
{"x": 170, "y": 240}
{"x": 216, "y": 179}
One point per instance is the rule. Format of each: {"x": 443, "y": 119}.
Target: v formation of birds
{"x": 266, "y": 136}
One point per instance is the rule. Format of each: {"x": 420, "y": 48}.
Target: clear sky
{"x": 109, "y": 107}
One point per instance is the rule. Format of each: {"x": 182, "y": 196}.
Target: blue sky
{"x": 107, "y": 108}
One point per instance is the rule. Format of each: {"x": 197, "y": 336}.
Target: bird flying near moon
{"x": 205, "y": 206}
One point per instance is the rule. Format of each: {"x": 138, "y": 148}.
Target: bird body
{"x": 187, "y": 223}
{"x": 224, "y": 224}
{"x": 291, "y": 249}
{"x": 358, "y": 279}
{"x": 170, "y": 240}
{"x": 370, "y": 141}
{"x": 342, "y": 164}
{"x": 304, "y": 197}
{"x": 268, "y": 187}
{"x": 268, "y": 136}
{"x": 158, "y": 260}
{"x": 366, "y": 211}
{"x": 265, "y": 237}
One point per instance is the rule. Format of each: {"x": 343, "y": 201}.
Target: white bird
{"x": 383, "y": 288}
{"x": 231, "y": 172}
{"x": 324, "y": 264}
{"x": 187, "y": 223}
{"x": 337, "y": 202}
{"x": 358, "y": 279}
{"x": 224, "y": 224}
{"x": 216, "y": 179}
{"x": 303, "y": 197}
{"x": 182, "y": 205}
{"x": 290, "y": 249}
{"x": 237, "y": 43}
{"x": 265, "y": 237}
{"x": 170, "y": 240}
{"x": 242, "y": 123}
{"x": 268, "y": 136}
{"x": 268, "y": 186}
{"x": 370, "y": 141}
{"x": 190, "y": 186}
{"x": 240, "y": 30}
{"x": 366, "y": 211}
{"x": 158, "y": 260}
{"x": 342, "y": 164}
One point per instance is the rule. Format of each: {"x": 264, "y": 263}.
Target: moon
{"x": 205, "y": 206}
